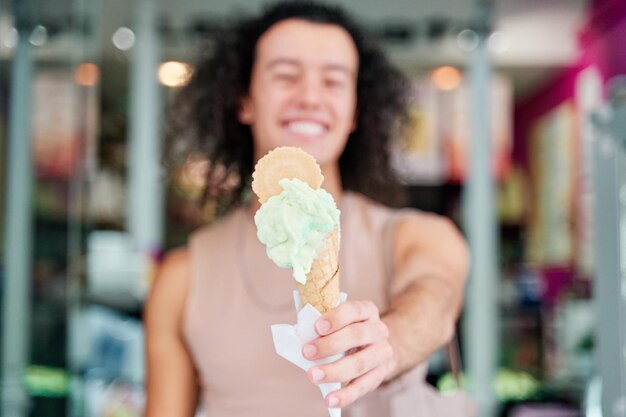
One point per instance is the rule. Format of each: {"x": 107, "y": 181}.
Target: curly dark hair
{"x": 204, "y": 119}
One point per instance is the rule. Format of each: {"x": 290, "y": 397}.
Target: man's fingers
{"x": 346, "y": 338}
{"x": 351, "y": 366}
{"x": 345, "y": 314}
{"x": 353, "y": 326}
{"x": 356, "y": 389}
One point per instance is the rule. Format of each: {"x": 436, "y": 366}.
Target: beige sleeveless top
{"x": 236, "y": 293}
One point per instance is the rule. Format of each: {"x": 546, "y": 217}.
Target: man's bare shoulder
{"x": 428, "y": 225}
{"x": 175, "y": 262}
{"x": 428, "y": 233}
{"x": 169, "y": 288}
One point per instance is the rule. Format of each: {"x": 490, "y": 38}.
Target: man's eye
{"x": 334, "y": 83}
{"x": 284, "y": 76}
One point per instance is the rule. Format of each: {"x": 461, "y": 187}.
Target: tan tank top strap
{"x": 198, "y": 243}
{"x": 387, "y": 238}
{"x": 202, "y": 246}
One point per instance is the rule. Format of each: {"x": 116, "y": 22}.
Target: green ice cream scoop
{"x": 293, "y": 225}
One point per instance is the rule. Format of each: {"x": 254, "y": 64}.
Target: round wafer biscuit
{"x": 284, "y": 162}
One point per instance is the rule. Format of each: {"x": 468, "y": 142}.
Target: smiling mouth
{"x": 312, "y": 129}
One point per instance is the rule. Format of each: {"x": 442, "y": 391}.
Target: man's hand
{"x": 354, "y": 327}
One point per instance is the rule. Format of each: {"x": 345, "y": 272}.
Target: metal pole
{"x": 145, "y": 192}
{"x": 19, "y": 229}
{"x": 86, "y": 50}
{"x": 609, "y": 149}
{"x": 481, "y": 308}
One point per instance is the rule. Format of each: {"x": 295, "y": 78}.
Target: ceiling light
{"x": 174, "y": 73}
{"x": 498, "y": 43}
{"x": 446, "y": 78}
{"x": 123, "y": 39}
{"x": 87, "y": 74}
{"x": 38, "y": 36}
{"x": 467, "y": 40}
{"x": 10, "y": 37}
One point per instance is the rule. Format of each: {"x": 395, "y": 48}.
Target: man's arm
{"x": 430, "y": 262}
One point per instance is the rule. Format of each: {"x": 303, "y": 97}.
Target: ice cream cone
{"x": 321, "y": 289}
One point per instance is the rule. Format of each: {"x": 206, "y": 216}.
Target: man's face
{"x": 303, "y": 89}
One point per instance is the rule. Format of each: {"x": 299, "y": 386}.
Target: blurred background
{"x": 518, "y": 133}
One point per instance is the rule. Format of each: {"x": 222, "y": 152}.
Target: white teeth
{"x": 307, "y": 128}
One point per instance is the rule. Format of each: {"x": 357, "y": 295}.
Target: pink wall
{"x": 602, "y": 43}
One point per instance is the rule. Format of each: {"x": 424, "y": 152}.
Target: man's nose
{"x": 310, "y": 94}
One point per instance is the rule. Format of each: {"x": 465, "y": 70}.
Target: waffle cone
{"x": 321, "y": 289}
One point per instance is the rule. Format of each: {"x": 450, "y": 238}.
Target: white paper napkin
{"x": 289, "y": 339}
